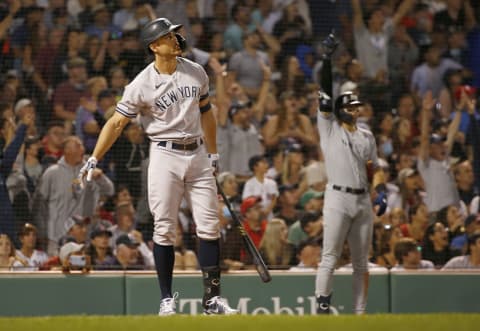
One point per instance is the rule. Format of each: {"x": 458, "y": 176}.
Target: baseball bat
{"x": 252, "y": 250}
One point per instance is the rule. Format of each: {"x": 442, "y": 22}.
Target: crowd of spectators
{"x": 415, "y": 63}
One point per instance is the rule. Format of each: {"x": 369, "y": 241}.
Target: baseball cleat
{"x": 323, "y": 309}
{"x": 167, "y": 306}
{"x": 218, "y": 306}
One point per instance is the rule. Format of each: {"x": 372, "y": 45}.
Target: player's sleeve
{"x": 324, "y": 123}
{"x": 128, "y": 106}
{"x": 205, "y": 84}
{"x": 373, "y": 155}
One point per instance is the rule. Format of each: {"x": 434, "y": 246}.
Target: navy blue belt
{"x": 350, "y": 190}
{"x": 181, "y": 147}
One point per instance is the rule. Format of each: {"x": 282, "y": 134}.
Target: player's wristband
{"x": 325, "y": 102}
{"x": 213, "y": 156}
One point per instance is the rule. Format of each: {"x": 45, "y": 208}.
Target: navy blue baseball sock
{"x": 164, "y": 260}
{"x": 323, "y": 304}
{"x": 209, "y": 259}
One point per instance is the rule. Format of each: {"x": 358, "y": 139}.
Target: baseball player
{"x": 171, "y": 98}
{"x": 348, "y": 213}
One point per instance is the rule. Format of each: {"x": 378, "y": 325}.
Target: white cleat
{"x": 167, "y": 306}
{"x": 218, "y": 306}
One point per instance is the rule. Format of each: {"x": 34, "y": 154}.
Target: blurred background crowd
{"x": 64, "y": 65}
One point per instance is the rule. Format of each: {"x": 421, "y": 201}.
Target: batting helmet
{"x": 345, "y": 100}
{"x": 156, "y": 29}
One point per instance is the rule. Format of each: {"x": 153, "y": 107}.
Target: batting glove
{"x": 214, "y": 162}
{"x": 330, "y": 45}
{"x": 88, "y": 168}
{"x": 381, "y": 202}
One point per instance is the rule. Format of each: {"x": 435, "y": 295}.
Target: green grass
{"x": 434, "y": 322}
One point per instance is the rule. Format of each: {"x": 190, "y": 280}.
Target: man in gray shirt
{"x": 434, "y": 160}
{"x": 371, "y": 41}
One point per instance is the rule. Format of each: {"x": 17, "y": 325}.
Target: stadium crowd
{"x": 65, "y": 63}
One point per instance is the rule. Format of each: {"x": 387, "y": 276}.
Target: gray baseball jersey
{"x": 168, "y": 104}
{"x": 346, "y": 215}
{"x": 169, "y": 111}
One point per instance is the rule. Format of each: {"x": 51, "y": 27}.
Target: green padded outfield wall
{"x": 106, "y": 293}
{"x": 137, "y": 293}
{"x": 57, "y": 294}
{"x": 435, "y": 292}
{"x": 287, "y": 293}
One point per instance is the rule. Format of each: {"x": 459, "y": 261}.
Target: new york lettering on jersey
{"x": 175, "y": 95}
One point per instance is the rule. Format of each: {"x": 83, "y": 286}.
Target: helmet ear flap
{"x": 181, "y": 41}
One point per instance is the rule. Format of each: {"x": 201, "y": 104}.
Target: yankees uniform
{"x": 173, "y": 108}
{"x": 347, "y": 210}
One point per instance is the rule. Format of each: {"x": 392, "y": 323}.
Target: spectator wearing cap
{"x": 60, "y": 194}
{"x": 238, "y": 139}
{"x": 91, "y": 116}
{"x": 28, "y": 258}
{"x": 99, "y": 250}
{"x": 471, "y": 260}
{"x": 76, "y": 230}
{"x": 25, "y": 107}
{"x": 125, "y": 219}
{"x": 312, "y": 201}
{"x": 409, "y": 256}
{"x": 67, "y": 94}
{"x": 253, "y": 221}
{"x": 407, "y": 193}
{"x": 261, "y": 186}
{"x": 434, "y": 161}
{"x": 102, "y": 22}
{"x": 14, "y": 138}
{"x": 286, "y": 207}
{"x": 127, "y": 256}
{"x": 68, "y": 262}
{"x": 310, "y": 225}
{"x": 289, "y": 124}
{"x": 470, "y": 226}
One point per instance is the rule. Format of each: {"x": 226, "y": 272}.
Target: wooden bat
{"x": 252, "y": 250}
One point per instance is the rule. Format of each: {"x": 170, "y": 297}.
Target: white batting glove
{"x": 214, "y": 162}
{"x": 88, "y": 168}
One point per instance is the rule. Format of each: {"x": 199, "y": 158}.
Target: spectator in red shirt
{"x": 253, "y": 220}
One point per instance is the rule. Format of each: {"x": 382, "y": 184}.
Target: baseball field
{"x": 437, "y": 322}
